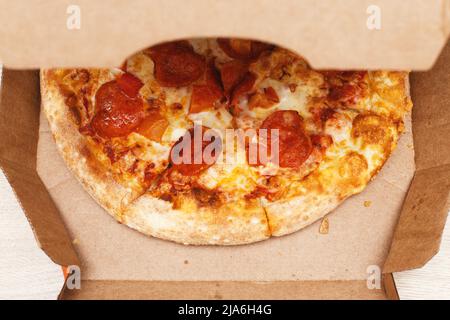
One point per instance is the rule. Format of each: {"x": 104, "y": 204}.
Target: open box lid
{"x": 341, "y": 34}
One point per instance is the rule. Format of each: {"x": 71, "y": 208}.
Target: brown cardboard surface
{"x": 432, "y": 121}
{"x": 19, "y": 110}
{"x": 389, "y": 287}
{"x": 358, "y": 236}
{"x": 418, "y": 234}
{"x": 224, "y": 290}
{"x": 411, "y": 33}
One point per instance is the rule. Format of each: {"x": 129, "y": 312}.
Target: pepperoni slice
{"x": 176, "y": 64}
{"x": 346, "y": 94}
{"x": 294, "y": 145}
{"x": 208, "y": 95}
{"x": 231, "y": 74}
{"x": 117, "y": 114}
{"x": 345, "y": 87}
{"x": 190, "y": 157}
{"x": 284, "y": 120}
{"x": 243, "y": 49}
{"x": 203, "y": 97}
{"x": 244, "y": 87}
{"x": 130, "y": 84}
{"x": 153, "y": 126}
{"x": 265, "y": 99}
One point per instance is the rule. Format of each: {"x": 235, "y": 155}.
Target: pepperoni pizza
{"x": 150, "y": 140}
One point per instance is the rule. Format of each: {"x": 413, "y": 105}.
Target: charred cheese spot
{"x": 75, "y": 111}
{"x": 353, "y": 173}
{"x": 206, "y": 197}
{"x": 86, "y": 153}
{"x": 372, "y": 129}
{"x": 390, "y": 93}
{"x": 352, "y": 165}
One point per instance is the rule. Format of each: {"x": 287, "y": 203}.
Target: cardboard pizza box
{"x": 401, "y": 230}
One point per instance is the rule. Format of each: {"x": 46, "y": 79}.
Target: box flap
{"x": 98, "y": 289}
{"x": 430, "y": 93}
{"x": 19, "y": 124}
{"x": 347, "y": 34}
{"x": 418, "y": 234}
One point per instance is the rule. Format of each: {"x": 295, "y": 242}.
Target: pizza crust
{"x": 72, "y": 146}
{"x": 230, "y": 224}
{"x": 291, "y": 215}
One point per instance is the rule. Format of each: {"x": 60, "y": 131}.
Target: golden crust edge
{"x": 154, "y": 216}
{"x": 70, "y": 144}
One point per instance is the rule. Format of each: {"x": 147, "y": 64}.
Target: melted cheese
{"x": 339, "y": 126}
{"x": 340, "y": 129}
{"x": 218, "y": 119}
{"x": 142, "y": 67}
{"x": 237, "y": 177}
{"x": 149, "y": 150}
{"x": 297, "y": 101}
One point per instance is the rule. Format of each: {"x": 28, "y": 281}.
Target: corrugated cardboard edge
{"x": 18, "y": 137}
{"x": 418, "y": 234}
{"x": 446, "y": 16}
{"x": 242, "y": 290}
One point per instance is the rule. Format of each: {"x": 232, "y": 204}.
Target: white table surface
{"x": 27, "y": 273}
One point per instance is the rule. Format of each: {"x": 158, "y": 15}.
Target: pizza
{"x": 223, "y": 141}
